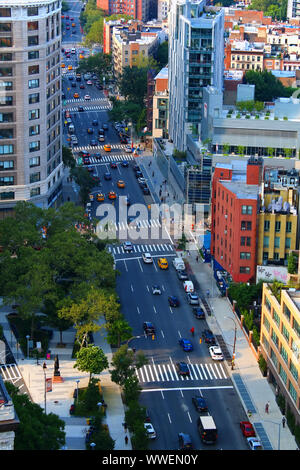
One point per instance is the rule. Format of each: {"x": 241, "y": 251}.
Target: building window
{"x": 34, "y": 146}
{"x": 277, "y": 242}
{"x": 32, "y": 11}
{"x": 34, "y": 98}
{"x": 6, "y": 42}
{"x": 244, "y": 270}
{"x": 6, "y": 117}
{"x": 35, "y": 192}
{"x": 6, "y": 100}
{"x": 247, "y": 210}
{"x": 245, "y": 255}
{"x": 283, "y": 374}
{"x": 277, "y": 226}
{"x": 276, "y": 318}
{"x": 275, "y": 338}
{"x": 5, "y": 27}
{"x": 6, "y": 56}
{"x": 294, "y": 371}
{"x": 245, "y": 241}
{"x": 285, "y": 333}
{"x": 32, "y": 25}
{"x": 8, "y": 86}
{"x": 287, "y": 312}
{"x": 288, "y": 227}
{"x": 287, "y": 242}
{"x": 34, "y": 130}
{"x": 274, "y": 358}
{"x": 6, "y": 180}
{"x": 7, "y": 195}
{"x": 33, "y": 55}
{"x": 33, "y": 41}
{"x": 284, "y": 354}
{"x": 296, "y": 327}
{"x": 34, "y": 161}
{"x": 6, "y": 72}
{"x": 6, "y": 133}
{"x": 6, "y": 149}
{"x": 245, "y": 225}
{"x": 266, "y": 242}
{"x": 35, "y": 177}
{"x": 35, "y": 83}
{"x": 6, "y": 165}
{"x": 33, "y": 69}
{"x": 5, "y": 12}
{"x": 266, "y": 322}
{"x": 33, "y": 114}
{"x": 293, "y": 392}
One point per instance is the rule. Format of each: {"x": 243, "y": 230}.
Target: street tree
{"x": 67, "y": 157}
{"x": 37, "y": 430}
{"x": 124, "y": 362}
{"x": 118, "y": 331}
{"x": 131, "y": 389}
{"x": 91, "y": 359}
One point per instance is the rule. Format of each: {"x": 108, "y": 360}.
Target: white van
{"x": 188, "y": 286}
{"x": 73, "y": 50}
{"x": 178, "y": 264}
{"x": 71, "y": 128}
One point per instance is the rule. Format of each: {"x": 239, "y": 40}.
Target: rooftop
{"x": 242, "y": 190}
{"x": 162, "y": 74}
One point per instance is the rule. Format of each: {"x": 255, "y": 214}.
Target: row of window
{"x": 9, "y": 165}
{"x": 288, "y": 226}
{"x": 31, "y": 11}
{"x": 247, "y": 58}
{"x": 266, "y": 242}
{"x": 8, "y": 56}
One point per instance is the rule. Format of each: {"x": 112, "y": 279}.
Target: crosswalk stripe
{"x": 207, "y": 368}
{"x": 146, "y": 373}
{"x": 156, "y": 373}
{"x": 212, "y": 369}
{"x": 192, "y": 367}
{"x": 223, "y": 372}
{"x": 164, "y": 367}
{"x": 170, "y": 371}
{"x": 150, "y": 371}
{"x": 159, "y": 370}
{"x": 217, "y": 370}
{"x": 141, "y": 373}
{"x": 174, "y": 370}
{"x": 197, "y": 367}
{"x": 203, "y": 370}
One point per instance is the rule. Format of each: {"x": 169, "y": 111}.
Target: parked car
{"x": 208, "y": 337}
{"x": 247, "y": 429}
{"x": 254, "y": 443}
{"x": 184, "y": 441}
{"x": 198, "y": 313}
{"x": 216, "y": 353}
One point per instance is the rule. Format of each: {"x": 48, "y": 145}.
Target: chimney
{"x": 254, "y": 170}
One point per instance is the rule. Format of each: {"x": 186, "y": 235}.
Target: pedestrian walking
{"x": 283, "y": 421}
{"x": 152, "y": 173}
{"x": 267, "y": 407}
{"x": 125, "y": 426}
{"x": 197, "y": 258}
{"x": 126, "y": 439}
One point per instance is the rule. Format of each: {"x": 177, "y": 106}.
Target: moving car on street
{"x": 182, "y": 368}
{"x": 192, "y": 298}
{"x": 156, "y": 290}
{"x": 150, "y": 430}
{"x": 127, "y": 246}
{"x": 185, "y": 344}
{"x": 198, "y": 313}
{"x": 162, "y": 263}
{"x": 208, "y": 337}
{"x": 184, "y": 441}
{"x": 173, "y": 301}
{"x": 199, "y": 403}
{"x": 147, "y": 258}
{"x": 112, "y": 195}
{"x": 148, "y": 328}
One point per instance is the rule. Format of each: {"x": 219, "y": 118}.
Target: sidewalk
{"x": 60, "y": 399}
{"x": 252, "y": 388}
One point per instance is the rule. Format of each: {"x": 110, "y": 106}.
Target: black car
{"x": 148, "y": 328}
{"x": 124, "y": 163}
{"x": 182, "y": 275}
{"x": 184, "y": 441}
{"x": 146, "y": 190}
{"x": 93, "y": 143}
{"x": 78, "y": 79}
{"x": 71, "y": 77}
{"x": 107, "y": 176}
{"x": 138, "y": 174}
{"x": 98, "y": 156}
{"x": 105, "y": 126}
{"x": 90, "y": 130}
{"x": 80, "y": 109}
{"x": 101, "y": 131}
{"x": 73, "y": 85}
{"x": 199, "y": 403}
{"x": 173, "y": 301}
{"x": 95, "y": 122}
{"x": 136, "y": 168}
{"x": 182, "y": 368}
{"x": 198, "y": 313}
{"x": 208, "y": 337}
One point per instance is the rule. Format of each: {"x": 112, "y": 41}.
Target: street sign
{"x": 49, "y": 384}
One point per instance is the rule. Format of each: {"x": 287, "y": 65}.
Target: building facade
{"x": 143, "y": 10}
{"x": 196, "y": 60}
{"x": 280, "y": 343}
{"x": 293, "y": 9}
{"x": 160, "y": 108}
{"x": 30, "y": 103}
{"x": 9, "y": 421}
{"x": 234, "y": 203}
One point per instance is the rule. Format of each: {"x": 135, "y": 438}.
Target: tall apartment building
{"x": 131, "y": 47}
{"x": 196, "y": 54}
{"x": 163, "y": 7}
{"x": 234, "y": 205}
{"x": 293, "y": 9}
{"x": 280, "y": 343}
{"x": 30, "y": 102}
{"x": 160, "y": 108}
{"x": 143, "y": 10}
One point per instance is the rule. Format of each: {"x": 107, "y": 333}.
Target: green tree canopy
{"x": 91, "y": 359}
{"x": 37, "y": 430}
{"x": 124, "y": 362}
{"x": 267, "y": 86}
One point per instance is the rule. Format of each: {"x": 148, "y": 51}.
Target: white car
{"x": 127, "y": 246}
{"x": 150, "y": 430}
{"x": 147, "y": 258}
{"x": 254, "y": 443}
{"x": 216, "y": 353}
{"x": 87, "y": 97}
{"x": 156, "y": 290}
{"x": 128, "y": 149}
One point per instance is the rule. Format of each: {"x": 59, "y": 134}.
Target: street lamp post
{"x": 77, "y": 382}
{"x": 234, "y": 343}
{"x": 27, "y": 337}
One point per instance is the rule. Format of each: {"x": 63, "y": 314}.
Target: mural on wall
{"x": 272, "y": 273}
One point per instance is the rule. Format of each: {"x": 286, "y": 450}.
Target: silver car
{"x": 192, "y": 298}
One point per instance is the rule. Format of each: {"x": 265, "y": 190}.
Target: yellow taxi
{"x": 62, "y": 66}
{"x": 121, "y": 184}
{"x": 70, "y": 67}
{"x": 107, "y": 148}
{"x": 73, "y": 25}
{"x": 162, "y": 263}
{"x": 76, "y": 95}
{"x": 100, "y": 197}
{"x": 112, "y": 195}
{"x": 81, "y": 56}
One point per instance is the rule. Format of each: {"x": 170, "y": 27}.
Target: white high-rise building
{"x": 196, "y": 59}
{"x": 293, "y": 9}
{"x": 30, "y": 103}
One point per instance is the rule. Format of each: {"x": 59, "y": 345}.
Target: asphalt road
{"x": 167, "y": 396}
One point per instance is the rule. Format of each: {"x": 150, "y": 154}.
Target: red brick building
{"x": 143, "y": 10}
{"x": 234, "y": 200}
